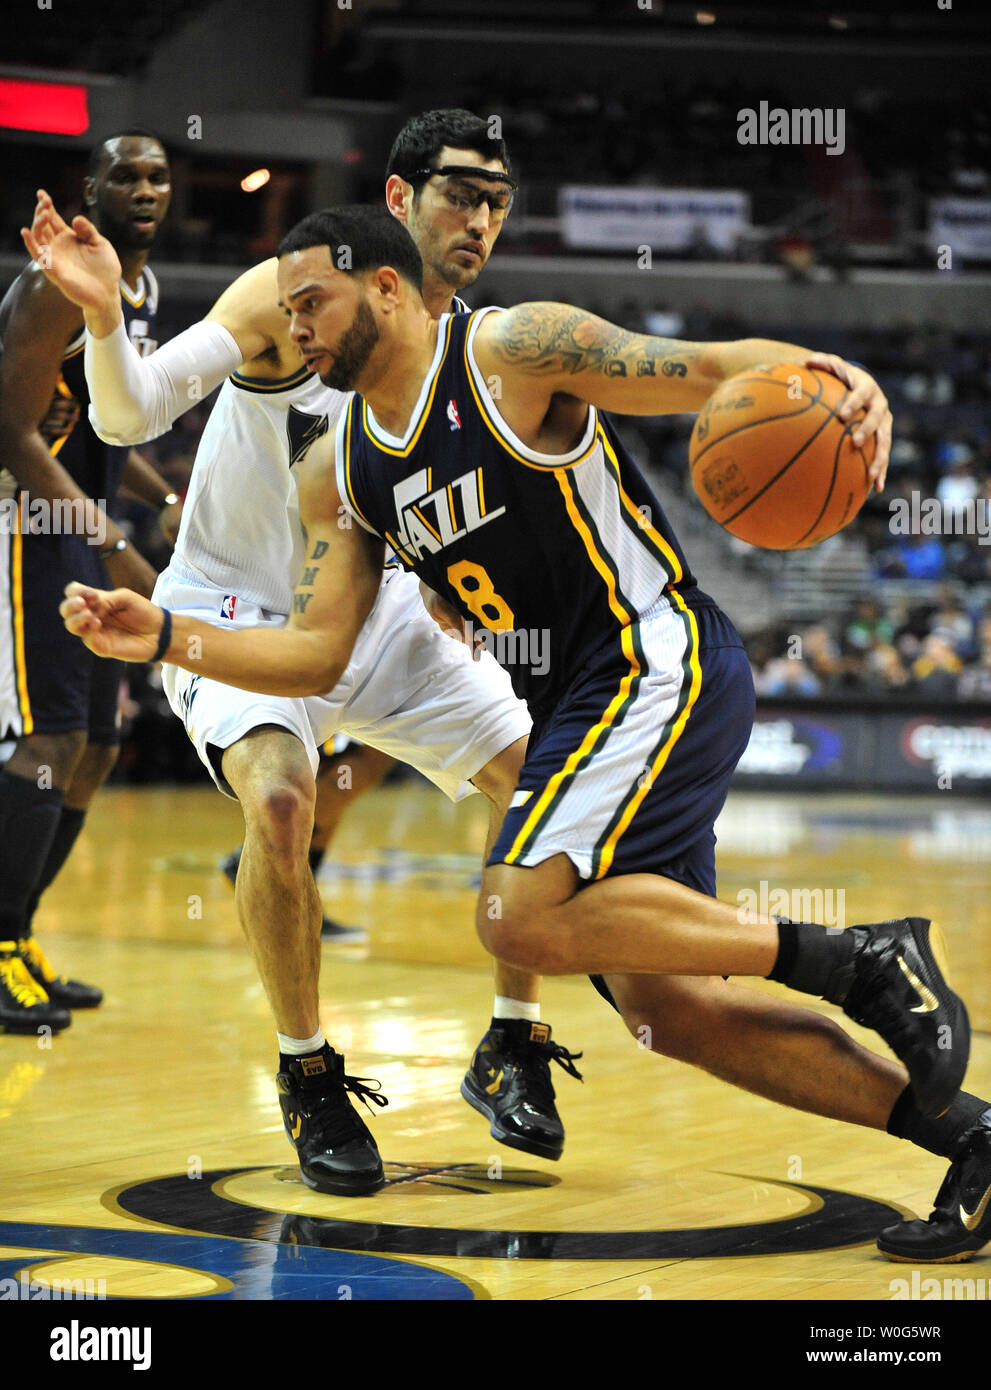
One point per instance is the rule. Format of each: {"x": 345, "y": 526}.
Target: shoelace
{"x": 332, "y": 1111}
{"x": 18, "y": 982}
{"x": 866, "y": 997}
{"x": 534, "y": 1059}
{"x": 33, "y": 955}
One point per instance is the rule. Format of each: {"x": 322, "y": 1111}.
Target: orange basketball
{"x": 773, "y": 463}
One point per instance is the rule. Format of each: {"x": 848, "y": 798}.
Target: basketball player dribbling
{"x": 527, "y": 514}
{"x": 62, "y": 711}
{"x": 409, "y": 693}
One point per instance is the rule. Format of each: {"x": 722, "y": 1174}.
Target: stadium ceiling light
{"x": 255, "y": 180}
{"x": 704, "y": 17}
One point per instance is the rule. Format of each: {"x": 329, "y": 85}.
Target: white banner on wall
{"x": 665, "y": 219}
{"x": 963, "y": 224}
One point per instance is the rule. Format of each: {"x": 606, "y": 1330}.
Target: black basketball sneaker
{"x": 329, "y": 929}
{"x": 24, "y": 1005}
{"x": 961, "y": 1220}
{"x": 509, "y": 1081}
{"x": 336, "y": 1150}
{"x": 70, "y": 994}
{"x": 895, "y": 983}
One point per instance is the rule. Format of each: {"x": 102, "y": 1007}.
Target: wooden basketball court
{"x": 144, "y": 1147}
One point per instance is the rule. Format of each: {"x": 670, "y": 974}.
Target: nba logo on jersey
{"x": 227, "y": 607}
{"x": 452, "y": 414}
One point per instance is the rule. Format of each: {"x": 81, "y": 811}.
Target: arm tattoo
{"x": 309, "y": 576}
{"x": 553, "y": 338}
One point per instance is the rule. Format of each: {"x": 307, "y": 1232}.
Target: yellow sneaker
{"x": 24, "y": 1005}
{"x": 70, "y": 994}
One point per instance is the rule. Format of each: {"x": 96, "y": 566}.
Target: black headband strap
{"x": 472, "y": 171}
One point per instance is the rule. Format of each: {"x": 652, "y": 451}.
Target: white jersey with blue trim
{"x": 240, "y": 525}
{"x": 240, "y": 528}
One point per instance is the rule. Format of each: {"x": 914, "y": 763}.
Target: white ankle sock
{"x": 515, "y": 1008}
{"x": 299, "y": 1047}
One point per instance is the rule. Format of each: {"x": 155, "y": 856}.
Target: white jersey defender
{"x": 409, "y": 690}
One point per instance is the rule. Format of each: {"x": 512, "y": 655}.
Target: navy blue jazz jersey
{"x": 639, "y": 686}
{"x": 555, "y": 555}
{"x": 94, "y": 465}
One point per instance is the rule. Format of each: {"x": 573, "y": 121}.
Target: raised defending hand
{"x": 865, "y": 394}
{"x": 115, "y": 623}
{"x": 78, "y": 260}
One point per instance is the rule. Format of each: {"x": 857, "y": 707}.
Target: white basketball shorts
{"x": 409, "y": 690}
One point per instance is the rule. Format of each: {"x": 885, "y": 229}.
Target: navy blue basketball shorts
{"x": 50, "y": 683}
{"x": 630, "y": 771}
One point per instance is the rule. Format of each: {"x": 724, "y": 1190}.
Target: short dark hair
{"x": 371, "y": 236}
{"x": 423, "y": 137}
{"x": 135, "y": 132}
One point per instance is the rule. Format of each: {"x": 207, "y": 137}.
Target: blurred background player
{"x": 239, "y": 551}
{"x": 62, "y": 710}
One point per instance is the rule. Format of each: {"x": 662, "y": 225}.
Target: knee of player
{"x": 52, "y": 758}
{"x": 511, "y": 938}
{"x": 101, "y": 759}
{"x": 282, "y": 806}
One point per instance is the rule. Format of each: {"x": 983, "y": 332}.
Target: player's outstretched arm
{"x": 134, "y": 398}
{"x": 543, "y": 350}
{"x": 334, "y": 595}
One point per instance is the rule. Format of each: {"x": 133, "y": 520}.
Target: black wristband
{"x": 164, "y": 637}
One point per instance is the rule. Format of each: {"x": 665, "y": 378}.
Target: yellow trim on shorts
{"x": 17, "y": 603}
{"x": 633, "y": 805}
{"x": 550, "y": 791}
{"x": 623, "y": 693}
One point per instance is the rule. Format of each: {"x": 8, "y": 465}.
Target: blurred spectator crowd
{"x": 920, "y": 551}
{"x": 919, "y": 651}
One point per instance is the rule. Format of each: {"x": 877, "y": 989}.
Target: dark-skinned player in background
{"x": 60, "y": 710}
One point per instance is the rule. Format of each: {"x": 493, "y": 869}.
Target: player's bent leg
{"x": 881, "y": 973}
{"x": 802, "y": 1059}
{"x": 761, "y": 1044}
{"x": 620, "y": 804}
{"x": 536, "y": 918}
{"x": 269, "y": 772}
